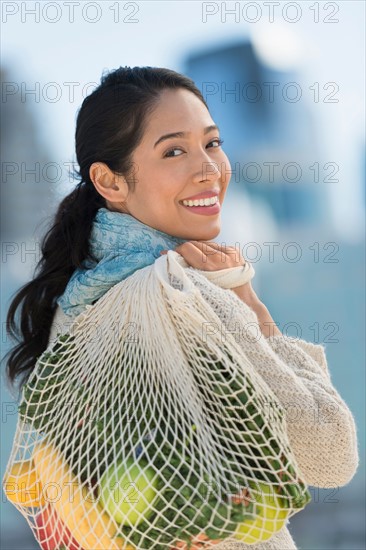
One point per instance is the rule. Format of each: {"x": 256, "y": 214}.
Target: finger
{"x": 204, "y": 246}
{"x": 228, "y": 251}
{"x": 193, "y": 255}
{"x": 211, "y": 248}
{"x": 207, "y": 245}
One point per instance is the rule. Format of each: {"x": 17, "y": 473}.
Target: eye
{"x": 170, "y": 151}
{"x": 218, "y": 141}
{"x": 167, "y": 155}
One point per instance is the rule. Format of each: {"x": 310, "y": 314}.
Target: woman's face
{"x": 167, "y": 171}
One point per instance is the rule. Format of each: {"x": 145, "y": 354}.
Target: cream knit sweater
{"x": 321, "y": 427}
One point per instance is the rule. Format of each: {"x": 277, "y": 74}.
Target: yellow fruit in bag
{"x": 22, "y": 486}
{"x": 272, "y": 516}
{"x": 89, "y": 525}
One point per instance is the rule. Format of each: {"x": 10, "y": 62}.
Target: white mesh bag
{"x": 136, "y": 430}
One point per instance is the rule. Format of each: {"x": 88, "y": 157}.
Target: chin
{"x": 207, "y": 235}
{"x": 205, "y": 232}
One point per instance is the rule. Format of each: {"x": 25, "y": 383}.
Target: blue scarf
{"x": 122, "y": 244}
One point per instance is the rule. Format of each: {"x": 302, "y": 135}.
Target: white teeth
{"x": 201, "y": 202}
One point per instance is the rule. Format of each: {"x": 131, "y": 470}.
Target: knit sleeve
{"x": 321, "y": 427}
{"x": 315, "y": 351}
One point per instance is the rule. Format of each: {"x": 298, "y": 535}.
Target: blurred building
{"x": 28, "y": 171}
{"x": 268, "y": 129}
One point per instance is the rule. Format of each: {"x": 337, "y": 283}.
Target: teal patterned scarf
{"x": 122, "y": 244}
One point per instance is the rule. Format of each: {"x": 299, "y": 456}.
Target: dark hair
{"x": 110, "y": 125}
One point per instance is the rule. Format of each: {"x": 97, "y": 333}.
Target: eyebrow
{"x": 182, "y": 134}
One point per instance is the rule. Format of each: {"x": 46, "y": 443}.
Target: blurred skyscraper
{"x": 268, "y": 128}
{"x": 28, "y": 173}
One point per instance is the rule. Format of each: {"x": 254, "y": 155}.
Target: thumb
{"x": 163, "y": 251}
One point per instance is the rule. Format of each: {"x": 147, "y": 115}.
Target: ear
{"x": 111, "y": 187}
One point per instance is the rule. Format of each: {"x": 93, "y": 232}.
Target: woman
{"x": 128, "y": 131}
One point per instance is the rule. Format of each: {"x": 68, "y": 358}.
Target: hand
{"x": 210, "y": 256}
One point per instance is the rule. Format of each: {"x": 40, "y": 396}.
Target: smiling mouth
{"x": 201, "y": 202}
{"x": 200, "y": 209}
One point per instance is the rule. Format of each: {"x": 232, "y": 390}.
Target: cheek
{"x": 168, "y": 190}
{"x": 157, "y": 200}
{"x": 225, "y": 168}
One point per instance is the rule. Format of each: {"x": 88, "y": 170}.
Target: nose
{"x": 209, "y": 170}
